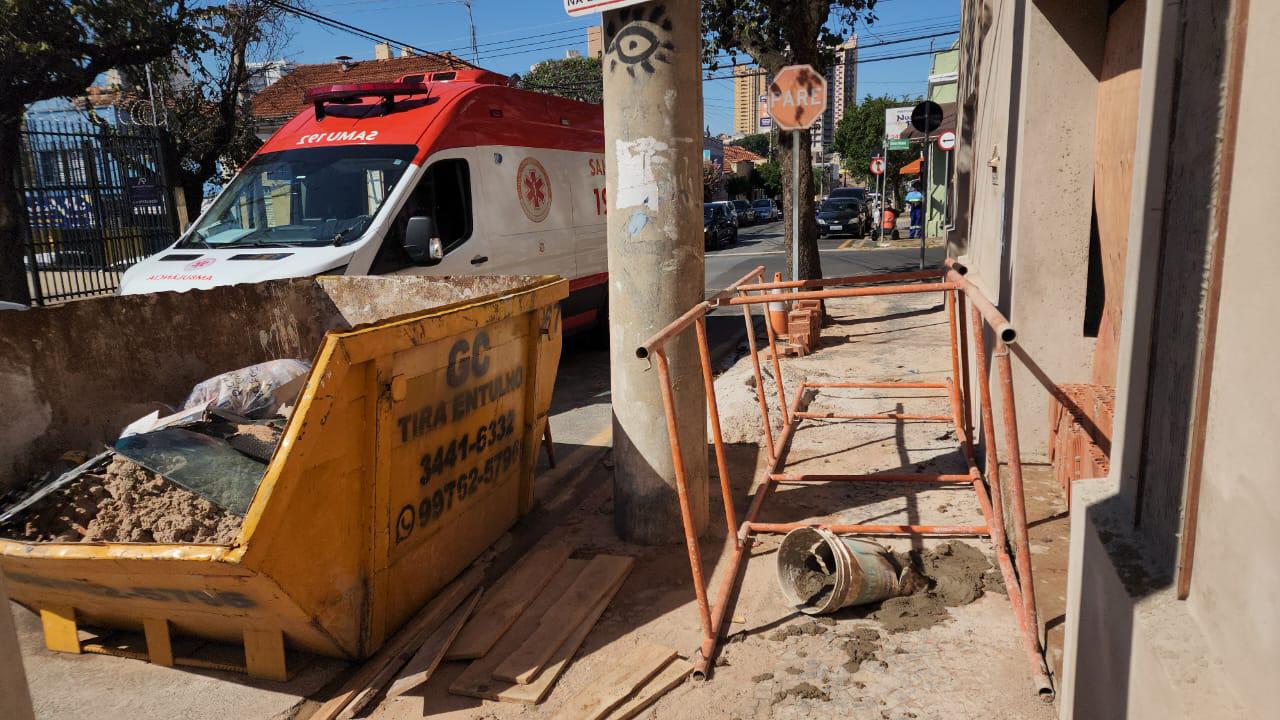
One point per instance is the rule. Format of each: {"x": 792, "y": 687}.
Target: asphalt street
{"x": 765, "y": 245}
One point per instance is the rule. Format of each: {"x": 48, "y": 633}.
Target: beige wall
{"x": 1027, "y": 238}
{"x": 1235, "y": 587}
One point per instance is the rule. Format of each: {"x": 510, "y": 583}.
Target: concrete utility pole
{"x": 653, "y": 151}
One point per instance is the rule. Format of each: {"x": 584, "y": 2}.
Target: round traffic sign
{"x": 927, "y": 116}
{"x": 877, "y": 166}
{"x": 947, "y": 141}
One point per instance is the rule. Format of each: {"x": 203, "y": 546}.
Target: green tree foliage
{"x": 204, "y": 116}
{"x": 57, "y": 48}
{"x": 737, "y": 185}
{"x": 860, "y": 135}
{"x": 770, "y": 178}
{"x": 757, "y": 143}
{"x": 775, "y": 34}
{"x": 576, "y": 78}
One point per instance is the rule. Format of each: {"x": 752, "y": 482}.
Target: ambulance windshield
{"x": 311, "y": 196}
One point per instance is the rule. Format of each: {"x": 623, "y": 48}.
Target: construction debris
{"x": 187, "y": 477}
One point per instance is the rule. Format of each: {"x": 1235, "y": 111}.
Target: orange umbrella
{"x": 911, "y": 168}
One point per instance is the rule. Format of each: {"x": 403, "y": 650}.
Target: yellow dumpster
{"x": 411, "y": 449}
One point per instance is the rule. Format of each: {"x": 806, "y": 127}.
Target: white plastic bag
{"x": 253, "y": 391}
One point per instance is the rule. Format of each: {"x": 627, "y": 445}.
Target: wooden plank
{"x": 264, "y": 655}
{"x": 421, "y": 666}
{"x": 477, "y": 680}
{"x": 537, "y": 691}
{"x": 602, "y": 573}
{"x": 504, "y": 603}
{"x": 396, "y": 652}
{"x": 664, "y": 682}
{"x": 629, "y": 669}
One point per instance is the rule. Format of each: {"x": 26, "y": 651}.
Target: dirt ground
{"x": 915, "y": 657}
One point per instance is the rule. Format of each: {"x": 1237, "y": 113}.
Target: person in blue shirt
{"x": 915, "y": 199}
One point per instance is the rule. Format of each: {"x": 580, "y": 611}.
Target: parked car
{"x": 841, "y": 216}
{"x": 733, "y": 211}
{"x": 859, "y": 194}
{"x": 746, "y": 213}
{"x": 718, "y": 227}
{"x": 766, "y": 211}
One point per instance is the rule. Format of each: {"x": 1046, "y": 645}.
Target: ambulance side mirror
{"x": 421, "y": 242}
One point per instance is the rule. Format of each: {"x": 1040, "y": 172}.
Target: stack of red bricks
{"x": 804, "y": 326}
{"x": 1080, "y": 423}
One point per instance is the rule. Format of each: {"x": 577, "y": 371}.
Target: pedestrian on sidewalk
{"x": 915, "y": 200}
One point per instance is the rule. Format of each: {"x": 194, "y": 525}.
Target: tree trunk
{"x": 192, "y": 197}
{"x": 810, "y": 263}
{"x": 13, "y": 275}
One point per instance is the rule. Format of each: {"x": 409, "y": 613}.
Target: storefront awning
{"x": 911, "y": 168}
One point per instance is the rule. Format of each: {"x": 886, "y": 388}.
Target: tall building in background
{"x": 595, "y": 41}
{"x": 749, "y": 83}
{"x": 842, "y": 91}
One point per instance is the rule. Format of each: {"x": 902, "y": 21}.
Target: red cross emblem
{"x": 533, "y": 187}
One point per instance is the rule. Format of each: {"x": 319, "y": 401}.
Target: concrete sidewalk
{"x": 965, "y": 662}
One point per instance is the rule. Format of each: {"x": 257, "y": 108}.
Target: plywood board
{"x": 597, "y": 581}
{"x": 1115, "y": 141}
{"x": 630, "y": 668}
{"x": 421, "y": 666}
{"x": 664, "y": 682}
{"x": 506, "y": 601}
{"x": 477, "y": 680}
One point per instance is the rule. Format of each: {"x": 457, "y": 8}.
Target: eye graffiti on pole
{"x": 635, "y": 38}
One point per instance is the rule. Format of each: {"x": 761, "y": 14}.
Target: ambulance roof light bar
{"x": 351, "y": 93}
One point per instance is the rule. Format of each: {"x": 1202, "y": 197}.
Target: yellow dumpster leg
{"x": 264, "y": 654}
{"x": 159, "y": 645}
{"x": 60, "y": 631}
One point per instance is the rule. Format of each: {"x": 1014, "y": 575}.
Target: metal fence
{"x": 96, "y": 201}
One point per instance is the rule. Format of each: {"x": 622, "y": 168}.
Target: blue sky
{"x": 514, "y": 34}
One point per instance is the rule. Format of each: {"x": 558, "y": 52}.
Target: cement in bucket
{"x": 820, "y": 572}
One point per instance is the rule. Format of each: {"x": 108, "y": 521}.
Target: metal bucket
{"x": 820, "y": 572}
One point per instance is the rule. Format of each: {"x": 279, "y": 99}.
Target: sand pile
{"x": 125, "y": 502}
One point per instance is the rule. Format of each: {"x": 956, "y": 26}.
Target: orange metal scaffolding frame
{"x": 989, "y": 489}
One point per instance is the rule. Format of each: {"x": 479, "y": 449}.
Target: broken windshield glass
{"x": 207, "y": 466}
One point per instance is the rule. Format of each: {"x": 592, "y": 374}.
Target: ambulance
{"x": 448, "y": 173}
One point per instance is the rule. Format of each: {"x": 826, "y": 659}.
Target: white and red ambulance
{"x": 452, "y": 173}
